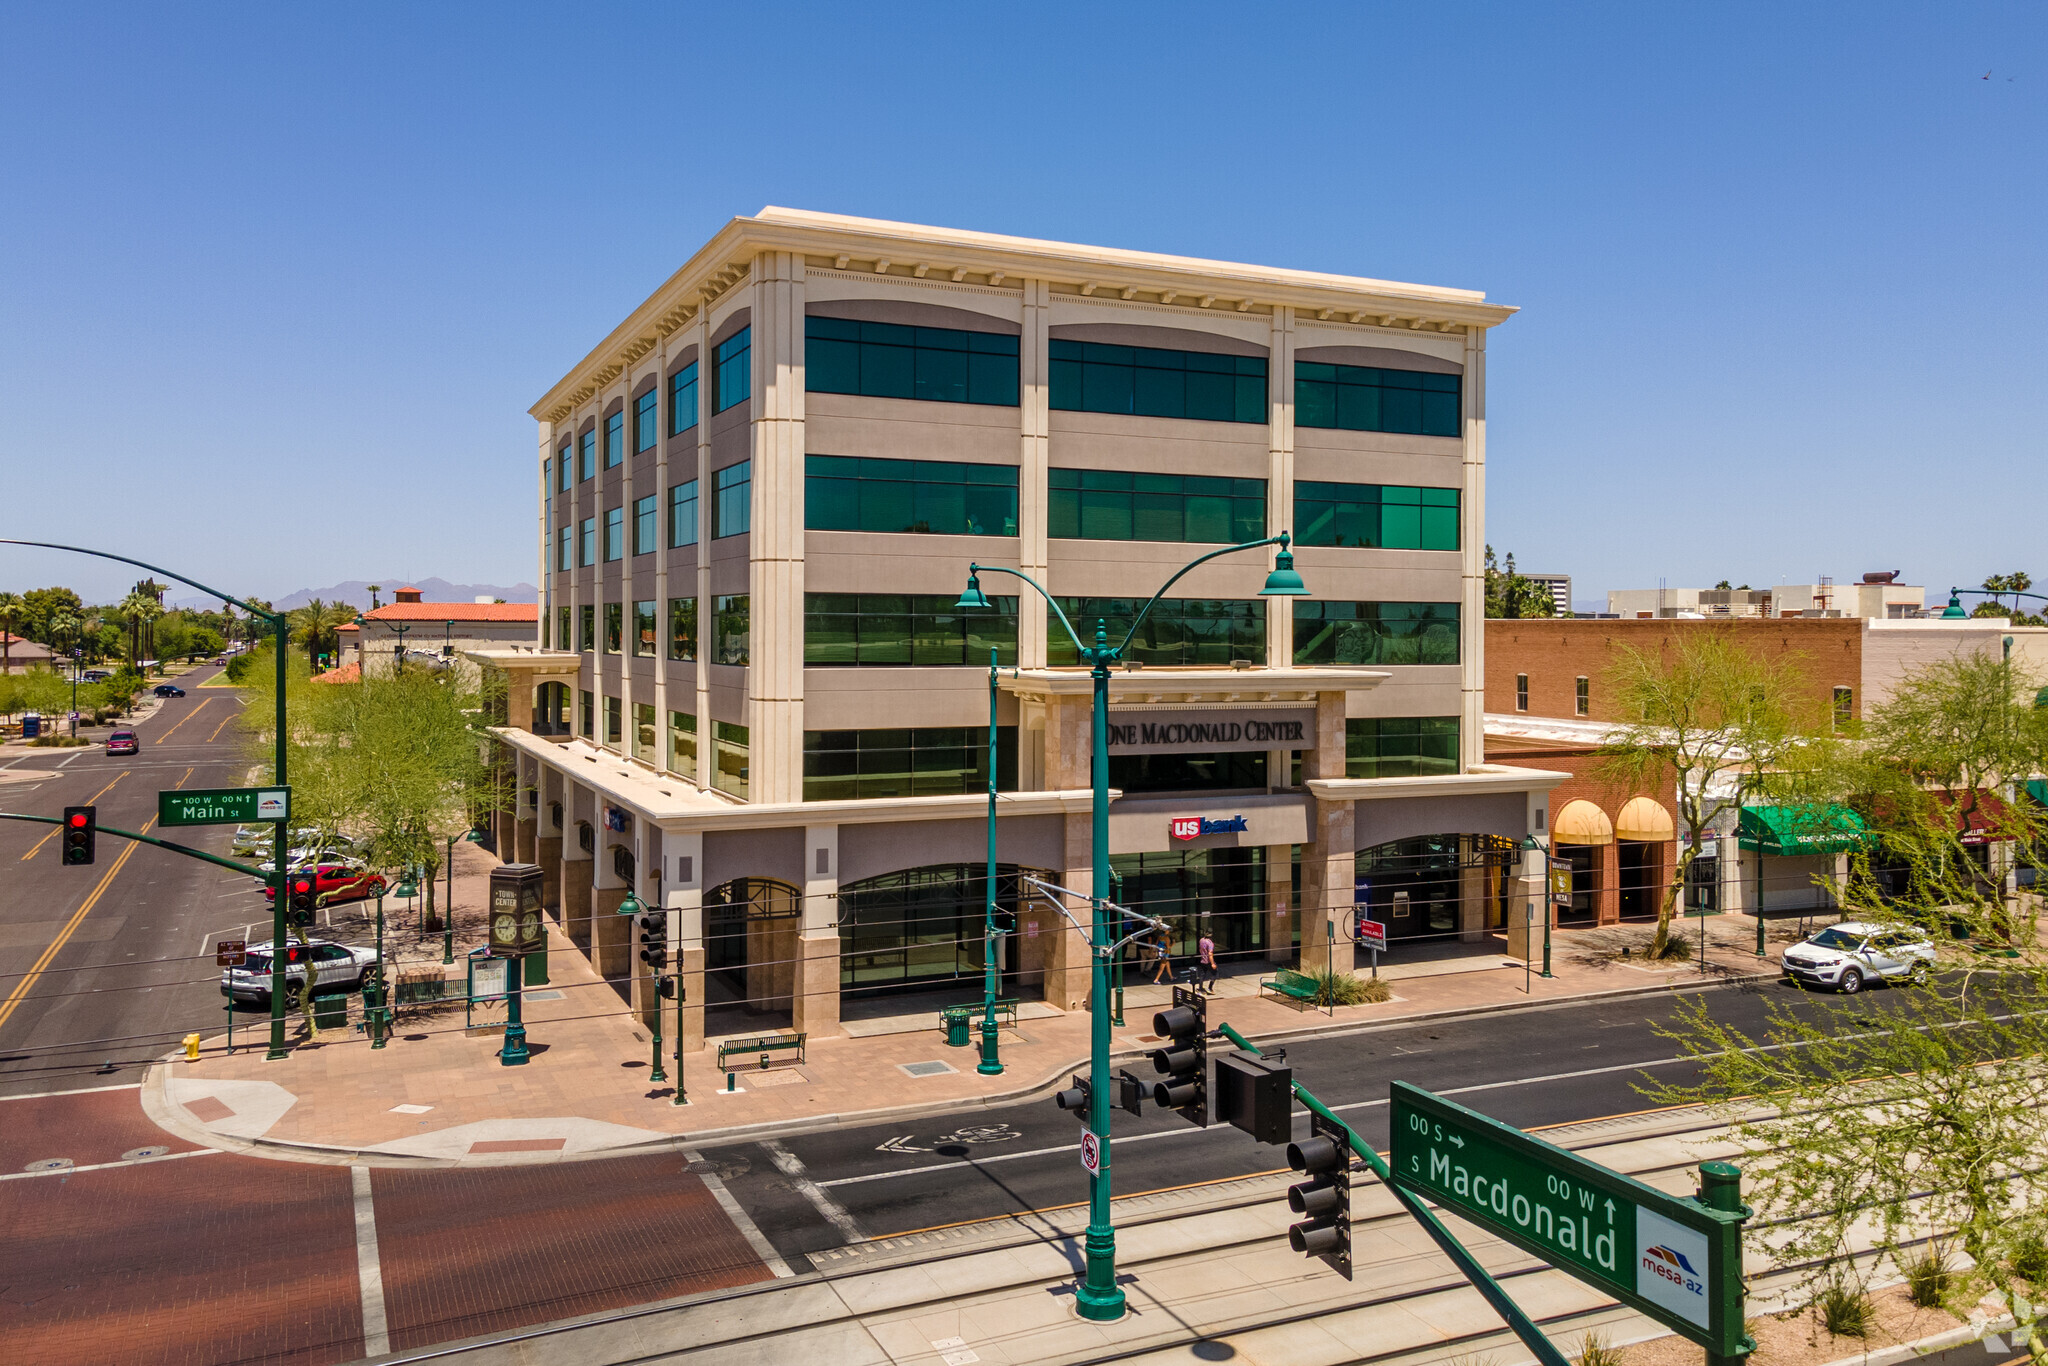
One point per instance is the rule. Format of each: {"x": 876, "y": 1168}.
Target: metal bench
{"x": 769, "y": 1043}
{"x": 1291, "y": 985}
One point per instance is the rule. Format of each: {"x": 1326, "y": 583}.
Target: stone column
{"x": 1329, "y": 862}
{"x": 1527, "y": 907}
{"x": 815, "y": 1010}
{"x": 549, "y": 482}
{"x": 525, "y": 809}
{"x": 1472, "y": 548}
{"x": 660, "y": 759}
{"x": 683, "y": 894}
{"x": 702, "y": 589}
{"x": 1063, "y": 948}
{"x": 1280, "y": 486}
{"x": 548, "y": 848}
{"x": 1280, "y": 903}
{"x": 576, "y": 868}
{"x": 1034, "y": 404}
{"x": 611, "y": 934}
{"x": 775, "y": 543}
{"x": 1471, "y": 894}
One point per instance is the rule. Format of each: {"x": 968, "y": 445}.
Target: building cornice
{"x": 1488, "y": 780}
{"x": 1211, "y": 687}
{"x": 878, "y": 247}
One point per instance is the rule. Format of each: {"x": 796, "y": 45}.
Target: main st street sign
{"x": 1675, "y": 1259}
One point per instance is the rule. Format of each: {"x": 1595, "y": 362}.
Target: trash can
{"x": 330, "y": 1012}
{"x": 31, "y": 726}
{"x": 956, "y": 1018}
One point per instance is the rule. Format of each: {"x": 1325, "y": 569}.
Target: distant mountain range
{"x": 356, "y": 593}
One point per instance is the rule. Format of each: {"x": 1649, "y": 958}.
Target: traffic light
{"x": 1325, "y": 1158}
{"x": 653, "y": 930}
{"x": 1131, "y": 1092}
{"x": 81, "y": 833}
{"x": 1185, "y": 1058}
{"x": 1255, "y": 1095}
{"x": 302, "y": 889}
{"x": 1075, "y": 1098}
{"x": 665, "y": 988}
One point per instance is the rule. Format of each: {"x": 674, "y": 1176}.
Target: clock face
{"x": 504, "y": 926}
{"x": 529, "y": 925}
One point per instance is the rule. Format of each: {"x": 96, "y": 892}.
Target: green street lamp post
{"x": 380, "y": 1012}
{"x": 1954, "y": 611}
{"x": 281, "y": 630}
{"x": 632, "y": 906}
{"x": 473, "y": 836}
{"x": 1098, "y": 1297}
{"x": 991, "y": 947}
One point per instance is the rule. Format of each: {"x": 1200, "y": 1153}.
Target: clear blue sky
{"x": 278, "y": 282}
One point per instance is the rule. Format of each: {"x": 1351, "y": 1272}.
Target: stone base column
{"x": 1525, "y": 930}
{"x": 611, "y": 935}
{"x": 548, "y": 854}
{"x": 1280, "y": 903}
{"x": 1328, "y": 878}
{"x": 523, "y": 836}
{"x": 816, "y": 1008}
{"x": 1607, "y": 884}
{"x": 645, "y": 1002}
{"x": 692, "y": 963}
{"x": 1471, "y": 900}
{"x": 576, "y": 903}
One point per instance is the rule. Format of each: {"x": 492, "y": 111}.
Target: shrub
{"x": 1928, "y": 1276}
{"x": 1594, "y": 1351}
{"x": 2030, "y": 1259}
{"x": 1845, "y": 1311}
{"x": 1340, "y": 988}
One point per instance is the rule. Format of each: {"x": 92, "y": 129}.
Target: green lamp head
{"x": 632, "y": 905}
{"x": 1283, "y": 582}
{"x": 407, "y": 888}
{"x": 475, "y": 836}
{"x": 973, "y": 600}
{"x": 1954, "y": 610}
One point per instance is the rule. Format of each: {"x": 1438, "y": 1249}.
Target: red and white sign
{"x": 1372, "y": 934}
{"x": 1184, "y": 827}
{"x": 1091, "y": 1153}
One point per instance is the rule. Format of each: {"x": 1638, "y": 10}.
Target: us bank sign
{"x": 1194, "y": 827}
{"x": 1210, "y": 732}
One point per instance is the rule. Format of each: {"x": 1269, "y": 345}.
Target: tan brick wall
{"x": 1555, "y": 653}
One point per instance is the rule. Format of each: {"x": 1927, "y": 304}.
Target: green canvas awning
{"x": 2037, "y": 788}
{"x": 1801, "y": 830}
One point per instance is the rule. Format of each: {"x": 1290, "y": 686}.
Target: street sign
{"x": 1372, "y": 934}
{"x": 1091, "y": 1153}
{"x": 230, "y": 953}
{"x": 1671, "y": 1258}
{"x": 224, "y": 806}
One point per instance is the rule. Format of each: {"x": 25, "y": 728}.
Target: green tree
{"x": 40, "y": 605}
{"x": 315, "y": 626}
{"x": 1509, "y": 594}
{"x": 1706, "y": 718}
{"x": 13, "y": 612}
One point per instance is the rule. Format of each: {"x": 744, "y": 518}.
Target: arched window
{"x": 586, "y": 838}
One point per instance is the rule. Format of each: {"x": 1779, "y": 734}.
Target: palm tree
{"x": 12, "y": 612}
{"x": 316, "y": 623}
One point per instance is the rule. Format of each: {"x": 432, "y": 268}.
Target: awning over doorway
{"x": 2037, "y": 788}
{"x": 1581, "y": 822}
{"x": 1644, "y": 818}
{"x": 1799, "y": 830}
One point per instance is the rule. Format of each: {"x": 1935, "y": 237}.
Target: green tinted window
{"x": 1111, "y": 505}
{"x": 1375, "y": 632}
{"x": 1375, "y": 516}
{"x": 614, "y": 534}
{"x": 614, "y": 439}
{"x": 732, "y": 490}
{"x": 587, "y": 459}
{"x": 682, "y": 399}
{"x": 845, "y": 765}
{"x": 729, "y": 744}
{"x": 614, "y": 626}
{"x": 1363, "y": 399}
{"x": 930, "y": 497}
{"x": 682, "y": 628}
{"x": 682, "y": 744}
{"x": 587, "y": 538}
{"x": 645, "y": 420}
{"x": 889, "y": 360}
{"x": 732, "y": 374}
{"x": 643, "y": 632}
{"x": 644, "y": 525}
{"x": 1090, "y": 377}
{"x": 1400, "y": 746}
{"x": 1211, "y": 631}
{"x": 730, "y": 646}
{"x": 564, "y": 467}
{"x": 682, "y": 514}
{"x": 897, "y": 629}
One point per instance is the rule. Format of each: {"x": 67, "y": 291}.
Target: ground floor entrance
{"x": 1216, "y": 892}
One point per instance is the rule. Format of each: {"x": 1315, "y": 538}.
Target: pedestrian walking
{"x": 1206, "y": 952}
{"x": 1161, "y": 959}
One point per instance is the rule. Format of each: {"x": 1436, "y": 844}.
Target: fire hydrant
{"x": 191, "y": 1048}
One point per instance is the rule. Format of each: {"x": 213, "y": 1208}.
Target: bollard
{"x": 191, "y": 1048}
{"x": 730, "y": 1082}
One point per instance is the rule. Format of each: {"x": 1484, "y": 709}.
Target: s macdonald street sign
{"x": 1674, "y": 1259}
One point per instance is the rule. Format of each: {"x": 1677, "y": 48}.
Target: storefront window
{"x": 919, "y": 926}
{"x": 1220, "y": 892}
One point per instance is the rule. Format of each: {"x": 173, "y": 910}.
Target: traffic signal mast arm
{"x": 174, "y": 847}
{"x": 1153, "y": 924}
{"x": 1524, "y": 1328}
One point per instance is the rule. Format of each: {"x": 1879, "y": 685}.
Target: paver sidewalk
{"x": 438, "y": 1093}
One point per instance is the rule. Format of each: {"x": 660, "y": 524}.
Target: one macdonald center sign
{"x": 1194, "y": 731}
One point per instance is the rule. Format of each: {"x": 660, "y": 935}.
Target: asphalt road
{"x": 1547, "y": 1065}
{"x": 112, "y": 963}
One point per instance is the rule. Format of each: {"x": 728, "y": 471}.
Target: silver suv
{"x": 1847, "y": 955}
{"x": 341, "y": 968}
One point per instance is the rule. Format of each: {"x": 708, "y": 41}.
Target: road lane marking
{"x": 221, "y": 727}
{"x": 67, "y": 761}
{"x": 182, "y": 720}
{"x": 791, "y": 1166}
{"x": 1181, "y": 1133}
{"x": 741, "y": 1220}
{"x": 103, "y": 1166}
{"x": 369, "y": 1271}
{"x": 21, "y": 989}
{"x": 81, "y": 1091}
{"x": 87, "y": 802}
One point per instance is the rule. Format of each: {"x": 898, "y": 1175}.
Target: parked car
{"x": 1847, "y": 955}
{"x": 250, "y": 840}
{"x": 341, "y": 969}
{"x": 168, "y": 690}
{"x": 335, "y": 881}
{"x": 312, "y": 847}
{"x": 123, "y": 742}
{"x": 94, "y": 676}
{"x": 220, "y": 659}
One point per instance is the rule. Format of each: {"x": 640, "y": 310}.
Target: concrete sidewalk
{"x": 438, "y": 1093}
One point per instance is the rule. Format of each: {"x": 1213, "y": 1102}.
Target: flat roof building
{"x": 753, "y": 701}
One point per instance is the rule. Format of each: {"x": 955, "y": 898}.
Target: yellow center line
{"x": 221, "y": 727}
{"x": 55, "y": 828}
{"x": 182, "y": 720}
{"x": 21, "y": 990}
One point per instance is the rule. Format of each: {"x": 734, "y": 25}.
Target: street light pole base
{"x": 514, "y": 1054}
{"x": 990, "y": 1065}
{"x": 1097, "y": 1296}
{"x": 1099, "y": 1308}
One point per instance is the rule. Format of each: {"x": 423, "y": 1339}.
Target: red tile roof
{"x": 347, "y": 673}
{"x": 455, "y": 611}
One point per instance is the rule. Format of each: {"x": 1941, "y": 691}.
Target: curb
{"x": 1908, "y": 1351}
{"x": 167, "y": 1115}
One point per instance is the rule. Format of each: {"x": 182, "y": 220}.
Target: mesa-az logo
{"x": 1188, "y": 827}
{"x": 1671, "y": 1264}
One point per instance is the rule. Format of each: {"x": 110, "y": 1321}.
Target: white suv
{"x": 341, "y": 969}
{"x": 1847, "y": 955}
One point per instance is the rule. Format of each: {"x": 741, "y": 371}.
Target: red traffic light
{"x": 78, "y": 820}
{"x": 302, "y": 886}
